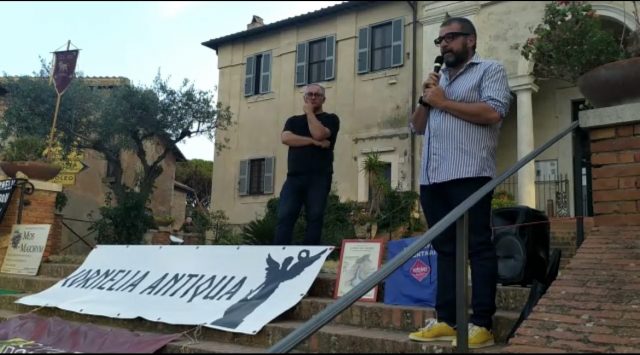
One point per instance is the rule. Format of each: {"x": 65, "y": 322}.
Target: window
{"x": 257, "y": 75}
{"x": 256, "y": 176}
{"x": 546, "y": 170}
{"x": 380, "y": 46}
{"x": 386, "y": 175}
{"x": 315, "y": 60}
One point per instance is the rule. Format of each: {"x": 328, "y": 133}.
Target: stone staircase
{"x": 365, "y": 327}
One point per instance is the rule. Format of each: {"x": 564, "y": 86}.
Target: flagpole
{"x": 59, "y": 91}
{"x": 53, "y": 128}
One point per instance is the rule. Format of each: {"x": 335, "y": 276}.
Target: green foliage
{"x": 259, "y": 231}
{"x": 26, "y": 148}
{"x": 201, "y": 220}
{"x": 336, "y": 224}
{"x": 196, "y": 173}
{"x": 378, "y": 186}
{"x": 502, "y": 199}
{"x": 397, "y": 209}
{"x": 123, "y": 119}
{"x": 61, "y": 201}
{"x": 124, "y": 223}
{"x": 570, "y": 42}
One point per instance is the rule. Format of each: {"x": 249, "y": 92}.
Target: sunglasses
{"x": 449, "y": 37}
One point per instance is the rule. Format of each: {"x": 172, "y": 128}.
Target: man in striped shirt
{"x": 460, "y": 113}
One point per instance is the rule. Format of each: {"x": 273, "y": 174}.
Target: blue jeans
{"x": 298, "y": 190}
{"x": 437, "y": 201}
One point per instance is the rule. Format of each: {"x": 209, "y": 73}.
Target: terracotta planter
{"x": 33, "y": 169}
{"x": 612, "y": 84}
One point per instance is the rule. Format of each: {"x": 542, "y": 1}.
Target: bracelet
{"x": 421, "y": 102}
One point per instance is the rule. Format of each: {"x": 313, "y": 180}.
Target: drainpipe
{"x": 414, "y": 8}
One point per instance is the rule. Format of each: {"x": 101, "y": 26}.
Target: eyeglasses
{"x": 449, "y": 37}
{"x": 313, "y": 94}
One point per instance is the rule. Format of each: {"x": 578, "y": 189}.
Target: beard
{"x": 454, "y": 59}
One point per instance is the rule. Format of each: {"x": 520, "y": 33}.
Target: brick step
{"x": 331, "y": 338}
{"x": 508, "y": 298}
{"x": 360, "y": 314}
{"x": 383, "y": 316}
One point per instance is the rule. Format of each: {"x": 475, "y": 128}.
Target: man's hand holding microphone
{"x": 432, "y": 93}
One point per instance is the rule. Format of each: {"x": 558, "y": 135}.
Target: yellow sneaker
{"x": 434, "y": 331}
{"x": 479, "y": 337}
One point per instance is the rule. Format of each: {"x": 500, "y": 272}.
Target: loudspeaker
{"x": 522, "y": 237}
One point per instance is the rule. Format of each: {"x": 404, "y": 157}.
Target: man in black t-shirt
{"x": 311, "y": 138}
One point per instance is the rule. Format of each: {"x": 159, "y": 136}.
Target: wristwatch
{"x": 421, "y": 102}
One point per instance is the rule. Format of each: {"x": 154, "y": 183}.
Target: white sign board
{"x": 25, "y": 250}
{"x": 228, "y": 287}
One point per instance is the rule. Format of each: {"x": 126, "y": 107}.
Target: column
{"x": 526, "y": 194}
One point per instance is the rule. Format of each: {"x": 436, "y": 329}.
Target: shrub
{"x": 570, "y": 42}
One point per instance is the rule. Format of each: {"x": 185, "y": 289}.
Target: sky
{"x": 135, "y": 39}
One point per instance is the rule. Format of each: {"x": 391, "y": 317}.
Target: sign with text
{"x": 71, "y": 166}
{"x": 25, "y": 250}
{"x": 65, "y": 179}
{"x": 233, "y": 288}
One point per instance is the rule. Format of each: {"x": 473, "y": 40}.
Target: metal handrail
{"x": 331, "y": 311}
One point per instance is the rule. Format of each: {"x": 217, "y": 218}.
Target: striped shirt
{"x": 454, "y": 148}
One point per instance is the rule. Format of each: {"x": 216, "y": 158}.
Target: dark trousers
{"x": 439, "y": 199}
{"x": 310, "y": 191}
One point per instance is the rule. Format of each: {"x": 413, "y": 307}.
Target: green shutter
{"x": 269, "y": 168}
{"x": 248, "y": 76}
{"x": 363, "y": 50}
{"x": 330, "y": 61}
{"x": 301, "y": 63}
{"x": 397, "y": 42}
{"x": 243, "y": 179}
{"x": 265, "y": 72}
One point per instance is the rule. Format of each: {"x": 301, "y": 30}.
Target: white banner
{"x": 25, "y": 250}
{"x": 234, "y": 288}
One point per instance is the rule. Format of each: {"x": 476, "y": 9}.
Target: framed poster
{"x": 25, "y": 250}
{"x": 359, "y": 258}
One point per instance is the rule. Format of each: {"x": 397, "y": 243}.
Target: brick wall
{"x": 615, "y": 155}
{"x": 564, "y": 236}
{"x": 39, "y": 209}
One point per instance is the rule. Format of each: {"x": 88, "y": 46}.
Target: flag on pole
{"x": 65, "y": 67}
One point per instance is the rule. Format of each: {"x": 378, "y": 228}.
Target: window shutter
{"x": 329, "y": 64}
{"x": 269, "y": 166}
{"x": 397, "y": 42}
{"x": 248, "y": 76}
{"x": 265, "y": 72}
{"x": 301, "y": 63}
{"x": 243, "y": 180}
{"x": 363, "y": 50}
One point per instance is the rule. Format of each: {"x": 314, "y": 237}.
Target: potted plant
{"x": 571, "y": 45}
{"x": 28, "y": 156}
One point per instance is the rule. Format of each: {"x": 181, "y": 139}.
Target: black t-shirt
{"x": 311, "y": 159}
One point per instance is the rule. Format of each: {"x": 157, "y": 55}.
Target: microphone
{"x": 438, "y": 63}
